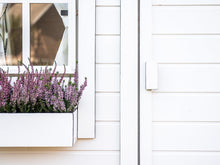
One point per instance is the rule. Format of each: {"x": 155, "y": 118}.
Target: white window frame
{"x": 70, "y": 67}
{"x": 86, "y": 66}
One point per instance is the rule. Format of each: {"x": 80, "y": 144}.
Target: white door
{"x": 180, "y": 119}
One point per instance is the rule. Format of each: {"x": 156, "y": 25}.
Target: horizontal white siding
{"x": 59, "y": 158}
{"x": 107, "y": 138}
{"x": 108, "y": 73}
{"x": 108, "y": 2}
{"x": 110, "y": 15}
{"x": 107, "y": 77}
{"x": 105, "y": 148}
{"x": 108, "y": 49}
{"x": 107, "y": 106}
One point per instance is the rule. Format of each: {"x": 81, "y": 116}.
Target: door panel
{"x": 180, "y": 120}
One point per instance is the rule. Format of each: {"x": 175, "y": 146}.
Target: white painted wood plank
{"x": 58, "y": 158}
{"x": 25, "y": 33}
{"x": 145, "y": 104}
{"x": 107, "y": 106}
{"x": 186, "y": 19}
{"x": 107, "y": 2}
{"x": 75, "y": 126}
{"x": 186, "y": 107}
{"x": 186, "y": 158}
{"x": 107, "y": 77}
{"x": 107, "y": 20}
{"x": 189, "y": 78}
{"x": 129, "y": 83}
{"x": 107, "y": 138}
{"x": 72, "y": 36}
{"x": 186, "y": 48}
{"x": 186, "y": 136}
{"x": 36, "y": 130}
{"x": 86, "y": 57}
{"x": 186, "y": 2}
{"x": 107, "y": 49}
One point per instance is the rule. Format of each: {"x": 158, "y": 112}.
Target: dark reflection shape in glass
{"x": 10, "y": 33}
{"x": 47, "y": 33}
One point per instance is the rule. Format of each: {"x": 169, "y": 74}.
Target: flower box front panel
{"x": 38, "y": 129}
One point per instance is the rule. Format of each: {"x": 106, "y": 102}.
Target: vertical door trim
{"x": 129, "y": 82}
{"x": 145, "y": 149}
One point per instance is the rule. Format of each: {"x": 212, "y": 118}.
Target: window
{"x": 10, "y": 33}
{"x": 39, "y": 30}
{"x": 38, "y": 24}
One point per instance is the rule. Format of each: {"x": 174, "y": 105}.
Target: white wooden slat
{"x": 107, "y": 49}
{"x": 186, "y": 19}
{"x": 186, "y": 2}
{"x": 25, "y": 32}
{"x": 186, "y": 158}
{"x": 129, "y": 83}
{"x": 189, "y": 78}
{"x": 107, "y": 138}
{"x": 186, "y": 48}
{"x": 107, "y": 106}
{"x": 186, "y": 107}
{"x": 86, "y": 57}
{"x": 107, "y": 2}
{"x": 145, "y": 104}
{"x": 189, "y": 136}
{"x": 72, "y": 36}
{"x": 58, "y": 158}
{"x": 107, "y": 20}
{"x": 107, "y": 77}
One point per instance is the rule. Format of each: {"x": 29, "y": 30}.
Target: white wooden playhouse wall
{"x": 105, "y": 148}
{"x": 186, "y": 108}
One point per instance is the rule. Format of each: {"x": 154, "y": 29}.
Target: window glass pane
{"x": 49, "y": 33}
{"x": 10, "y": 33}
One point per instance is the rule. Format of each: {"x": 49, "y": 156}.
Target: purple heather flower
{"x": 37, "y": 89}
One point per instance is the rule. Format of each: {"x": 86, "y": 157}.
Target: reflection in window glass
{"x": 10, "y": 33}
{"x": 49, "y": 34}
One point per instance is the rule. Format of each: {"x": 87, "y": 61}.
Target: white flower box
{"x": 38, "y": 129}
